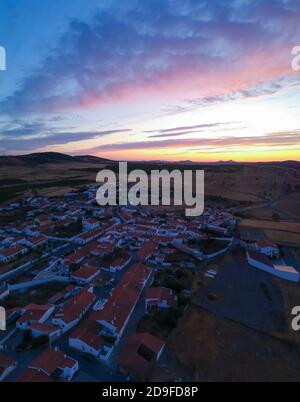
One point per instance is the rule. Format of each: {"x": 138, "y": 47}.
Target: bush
{"x": 167, "y": 318}
{"x": 39, "y": 341}
{"x": 174, "y": 284}
{"x": 276, "y": 217}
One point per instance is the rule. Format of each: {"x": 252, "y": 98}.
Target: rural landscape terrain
{"x": 232, "y": 313}
{"x": 108, "y": 272}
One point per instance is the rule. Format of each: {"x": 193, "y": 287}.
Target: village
{"x": 92, "y": 293}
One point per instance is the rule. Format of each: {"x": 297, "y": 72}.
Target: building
{"x": 88, "y": 236}
{"x": 51, "y": 365}
{"x": 7, "y": 365}
{"x": 268, "y": 248}
{"x": 41, "y": 329}
{"x": 85, "y": 274}
{"x": 117, "y": 311}
{"x": 75, "y": 308}
{"x": 90, "y": 223}
{"x": 261, "y": 261}
{"x": 60, "y": 297}
{"x": 87, "y": 338}
{"x": 119, "y": 263}
{"x": 146, "y": 251}
{"x": 138, "y": 355}
{"x": 160, "y": 297}
{"x": 11, "y": 253}
{"x": 34, "y": 313}
{"x": 35, "y": 242}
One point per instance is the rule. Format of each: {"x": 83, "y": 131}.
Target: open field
{"x": 207, "y": 347}
{"x": 290, "y": 203}
{"x": 282, "y": 232}
{"x": 291, "y": 297}
{"x": 270, "y": 225}
{"x": 229, "y": 186}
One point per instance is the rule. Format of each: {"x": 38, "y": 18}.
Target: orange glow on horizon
{"x": 253, "y": 155}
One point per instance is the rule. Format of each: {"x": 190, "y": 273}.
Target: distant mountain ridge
{"x": 49, "y": 157}
{"x": 40, "y": 158}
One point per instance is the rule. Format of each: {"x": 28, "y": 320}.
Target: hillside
{"x": 48, "y": 157}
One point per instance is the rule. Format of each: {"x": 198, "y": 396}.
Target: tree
{"x": 276, "y": 217}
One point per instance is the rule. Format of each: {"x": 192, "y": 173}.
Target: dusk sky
{"x": 151, "y": 79}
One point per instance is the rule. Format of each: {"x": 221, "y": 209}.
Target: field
{"x": 206, "y": 347}
{"x": 282, "y": 232}
{"x": 290, "y": 203}
{"x": 228, "y": 186}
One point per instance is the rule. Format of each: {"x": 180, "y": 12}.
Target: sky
{"x": 201, "y": 80}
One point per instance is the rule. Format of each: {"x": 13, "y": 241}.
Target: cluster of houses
{"x": 126, "y": 244}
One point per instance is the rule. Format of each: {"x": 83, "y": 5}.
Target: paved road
{"x": 91, "y": 369}
{"x": 246, "y": 295}
{"x": 24, "y": 360}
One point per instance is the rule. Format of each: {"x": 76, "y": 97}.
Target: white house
{"x": 119, "y": 263}
{"x": 72, "y": 312}
{"x": 85, "y": 274}
{"x": 268, "y": 248}
{"x": 11, "y": 253}
{"x": 41, "y": 329}
{"x": 262, "y": 262}
{"x": 53, "y": 363}
{"x": 34, "y": 313}
{"x": 35, "y": 242}
{"x": 90, "y": 223}
{"x": 86, "y": 338}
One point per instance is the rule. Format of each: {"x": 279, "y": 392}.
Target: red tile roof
{"x": 260, "y": 258}
{"x": 124, "y": 297}
{"x": 133, "y": 361}
{"x": 146, "y": 250}
{"x": 61, "y": 295}
{"x": 88, "y": 332}
{"x": 36, "y": 240}
{"x": 34, "y": 312}
{"x": 161, "y": 294}
{"x": 120, "y": 261}
{"x": 11, "y": 251}
{"x": 266, "y": 243}
{"x": 75, "y": 306}
{"x": 50, "y": 360}
{"x": 45, "y": 328}
{"x": 31, "y": 375}
{"x": 86, "y": 272}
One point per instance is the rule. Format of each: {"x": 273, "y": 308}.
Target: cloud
{"x": 31, "y": 136}
{"x": 177, "y": 131}
{"x": 170, "y": 50}
{"x": 287, "y": 138}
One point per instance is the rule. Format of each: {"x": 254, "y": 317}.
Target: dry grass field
{"x": 217, "y": 349}
{"x": 290, "y": 203}
{"x": 228, "y": 185}
{"x": 282, "y": 232}
{"x": 291, "y": 296}
{"x": 270, "y": 225}
{"x": 245, "y": 183}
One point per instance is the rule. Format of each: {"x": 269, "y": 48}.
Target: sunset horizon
{"x": 200, "y": 81}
